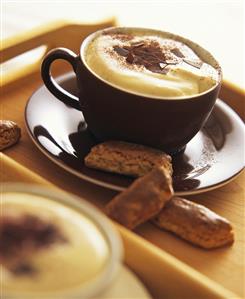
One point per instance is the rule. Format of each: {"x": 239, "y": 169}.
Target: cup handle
{"x": 59, "y": 92}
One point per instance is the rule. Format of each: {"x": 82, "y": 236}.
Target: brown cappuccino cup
{"x": 140, "y": 85}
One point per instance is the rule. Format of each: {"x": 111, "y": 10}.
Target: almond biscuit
{"x": 127, "y": 158}
{"x": 9, "y": 133}
{"x": 142, "y": 200}
{"x": 195, "y": 223}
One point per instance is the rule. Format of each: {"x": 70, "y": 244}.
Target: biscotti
{"x": 127, "y": 158}
{"x": 142, "y": 200}
{"x": 195, "y": 223}
{"x": 9, "y": 133}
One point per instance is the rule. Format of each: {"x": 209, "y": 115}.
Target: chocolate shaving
{"x": 148, "y": 54}
{"x": 158, "y": 69}
{"x": 130, "y": 58}
{"x": 173, "y": 62}
{"x": 137, "y": 44}
{"x": 177, "y": 52}
{"x": 196, "y": 63}
{"x": 121, "y": 51}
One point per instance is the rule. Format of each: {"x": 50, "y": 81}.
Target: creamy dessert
{"x": 151, "y": 63}
{"x": 47, "y": 247}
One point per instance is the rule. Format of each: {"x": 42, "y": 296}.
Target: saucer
{"x": 211, "y": 159}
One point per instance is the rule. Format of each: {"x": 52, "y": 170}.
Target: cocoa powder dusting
{"x": 21, "y": 236}
{"x": 24, "y": 269}
{"x": 119, "y": 36}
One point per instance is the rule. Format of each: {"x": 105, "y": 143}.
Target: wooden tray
{"x": 172, "y": 268}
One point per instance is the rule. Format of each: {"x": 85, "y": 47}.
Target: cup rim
{"x": 177, "y": 37}
{"x": 111, "y": 236}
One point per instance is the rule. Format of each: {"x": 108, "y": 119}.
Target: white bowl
{"x": 104, "y": 278}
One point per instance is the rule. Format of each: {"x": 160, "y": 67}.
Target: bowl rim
{"x": 105, "y": 277}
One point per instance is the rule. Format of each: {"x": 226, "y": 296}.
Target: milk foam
{"x": 181, "y": 79}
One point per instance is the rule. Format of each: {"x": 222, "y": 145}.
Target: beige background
{"x": 216, "y": 25}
